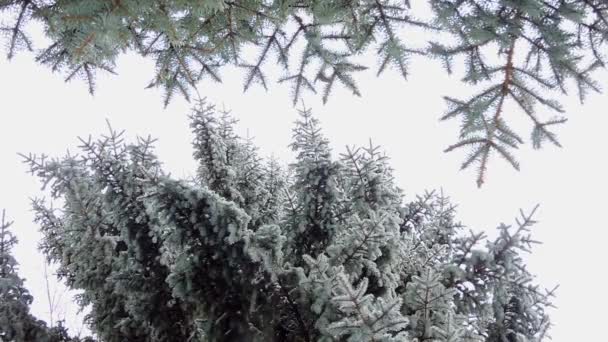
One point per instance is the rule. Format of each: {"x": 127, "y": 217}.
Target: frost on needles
{"x": 325, "y": 249}
{"x": 522, "y": 52}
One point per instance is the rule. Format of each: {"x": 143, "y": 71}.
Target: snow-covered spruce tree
{"x": 323, "y": 250}
{"x": 522, "y": 52}
{"x": 16, "y": 322}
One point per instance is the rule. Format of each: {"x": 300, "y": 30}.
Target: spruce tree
{"x": 325, "y": 249}
{"x": 17, "y": 324}
{"x": 523, "y": 52}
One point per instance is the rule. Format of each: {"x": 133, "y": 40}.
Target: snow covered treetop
{"x": 326, "y": 249}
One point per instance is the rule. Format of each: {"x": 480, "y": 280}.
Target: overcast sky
{"x": 42, "y": 114}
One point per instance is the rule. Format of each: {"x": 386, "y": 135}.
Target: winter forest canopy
{"x": 249, "y": 250}
{"x": 326, "y": 248}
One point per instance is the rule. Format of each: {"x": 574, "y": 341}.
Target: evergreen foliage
{"x": 324, "y": 250}
{"x": 514, "y": 51}
{"x": 16, "y": 322}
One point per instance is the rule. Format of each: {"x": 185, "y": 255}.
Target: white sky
{"x": 42, "y": 114}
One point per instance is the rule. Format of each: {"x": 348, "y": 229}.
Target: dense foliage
{"x": 323, "y": 250}
{"x": 519, "y": 51}
{"x": 16, "y": 322}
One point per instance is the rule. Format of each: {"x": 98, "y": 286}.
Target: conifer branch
{"x": 254, "y": 70}
{"x": 17, "y": 34}
{"x": 561, "y": 41}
